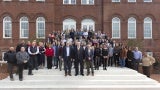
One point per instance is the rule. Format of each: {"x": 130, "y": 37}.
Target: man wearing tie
{"x": 67, "y": 59}
{"x": 79, "y": 56}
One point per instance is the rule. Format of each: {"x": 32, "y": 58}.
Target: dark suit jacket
{"x": 64, "y": 52}
{"x": 81, "y": 53}
{"x": 87, "y": 54}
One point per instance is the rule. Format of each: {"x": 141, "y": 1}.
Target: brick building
{"x": 123, "y": 20}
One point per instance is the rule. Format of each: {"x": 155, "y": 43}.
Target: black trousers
{"x": 49, "y": 62}
{"x": 97, "y": 62}
{"x": 10, "y": 69}
{"x": 77, "y": 63}
{"x": 105, "y": 63}
{"x": 116, "y": 60}
{"x": 146, "y": 70}
{"x": 20, "y": 69}
{"x": 67, "y": 65}
{"x": 32, "y": 63}
{"x": 136, "y": 64}
{"x": 41, "y": 59}
{"x": 110, "y": 61}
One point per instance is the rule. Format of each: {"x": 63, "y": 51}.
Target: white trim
{"x": 119, "y": 23}
{"x": 69, "y": 23}
{"x": 21, "y": 26}
{"x": 37, "y": 22}
{"x": 147, "y": 22}
{"x": 87, "y": 2}
{"x": 4, "y": 22}
{"x": 88, "y": 23}
{"x": 69, "y": 2}
{"x": 132, "y": 22}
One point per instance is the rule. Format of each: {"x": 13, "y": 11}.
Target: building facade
{"x": 125, "y": 21}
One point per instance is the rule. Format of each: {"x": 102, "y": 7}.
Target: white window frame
{"x": 7, "y": 0}
{"x": 27, "y": 21}
{"x": 131, "y": 1}
{"x": 69, "y": 23}
{"x": 119, "y": 25}
{"x": 116, "y": 1}
{"x": 69, "y": 2}
{"x": 23, "y": 0}
{"x": 87, "y": 2}
{"x": 4, "y": 24}
{"x": 40, "y": 0}
{"x": 147, "y": 0}
{"x": 38, "y": 21}
{"x": 147, "y": 20}
{"x": 132, "y": 20}
{"x": 88, "y": 23}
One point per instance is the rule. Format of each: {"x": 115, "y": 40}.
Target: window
{"x": 88, "y": 24}
{"x": 69, "y": 24}
{"x": 69, "y": 1}
{"x": 116, "y": 28}
{"x": 7, "y": 0}
{"x": 147, "y": 0}
{"x": 87, "y": 2}
{"x": 131, "y": 0}
{"x": 23, "y": 0}
{"x": 40, "y": 0}
{"x": 24, "y": 27}
{"x": 116, "y": 1}
{"x": 147, "y": 28}
{"x": 7, "y": 27}
{"x": 40, "y": 27}
{"x": 131, "y": 28}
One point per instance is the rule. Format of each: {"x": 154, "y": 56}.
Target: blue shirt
{"x": 137, "y": 55}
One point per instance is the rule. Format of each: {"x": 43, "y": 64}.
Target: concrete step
{"x": 112, "y": 79}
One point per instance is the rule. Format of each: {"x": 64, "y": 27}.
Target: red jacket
{"x": 49, "y": 52}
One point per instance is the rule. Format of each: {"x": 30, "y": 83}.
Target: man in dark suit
{"x": 67, "y": 50}
{"x": 79, "y": 56}
{"x": 89, "y": 54}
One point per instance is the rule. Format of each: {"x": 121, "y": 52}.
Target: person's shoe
{"x": 69, "y": 74}
{"x": 30, "y": 74}
{"x": 11, "y": 79}
{"x": 76, "y": 74}
{"x": 20, "y": 79}
{"x": 92, "y": 74}
{"x": 36, "y": 68}
{"x": 56, "y": 68}
{"x": 87, "y": 74}
{"x": 65, "y": 74}
{"x": 82, "y": 74}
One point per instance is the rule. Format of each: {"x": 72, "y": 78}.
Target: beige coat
{"x": 148, "y": 61}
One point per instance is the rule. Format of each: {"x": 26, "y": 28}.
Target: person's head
{"x": 11, "y": 48}
{"x": 145, "y": 54}
{"x": 49, "y": 46}
{"x": 89, "y": 46}
{"x": 40, "y": 43}
{"x": 33, "y": 43}
{"x": 67, "y": 43}
{"x": 78, "y": 44}
{"x": 136, "y": 48}
{"x": 22, "y": 42}
{"x": 22, "y": 49}
{"x": 29, "y": 43}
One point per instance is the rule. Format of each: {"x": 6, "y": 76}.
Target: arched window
{"x": 88, "y": 24}
{"x": 131, "y": 28}
{"x": 69, "y": 24}
{"x": 40, "y": 27}
{"x": 7, "y": 27}
{"x": 147, "y": 28}
{"x": 24, "y": 27}
{"x": 116, "y": 27}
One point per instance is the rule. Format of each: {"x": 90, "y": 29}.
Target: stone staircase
{"x": 112, "y": 79}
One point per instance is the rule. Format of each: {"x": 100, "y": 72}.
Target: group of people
{"x": 87, "y": 50}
